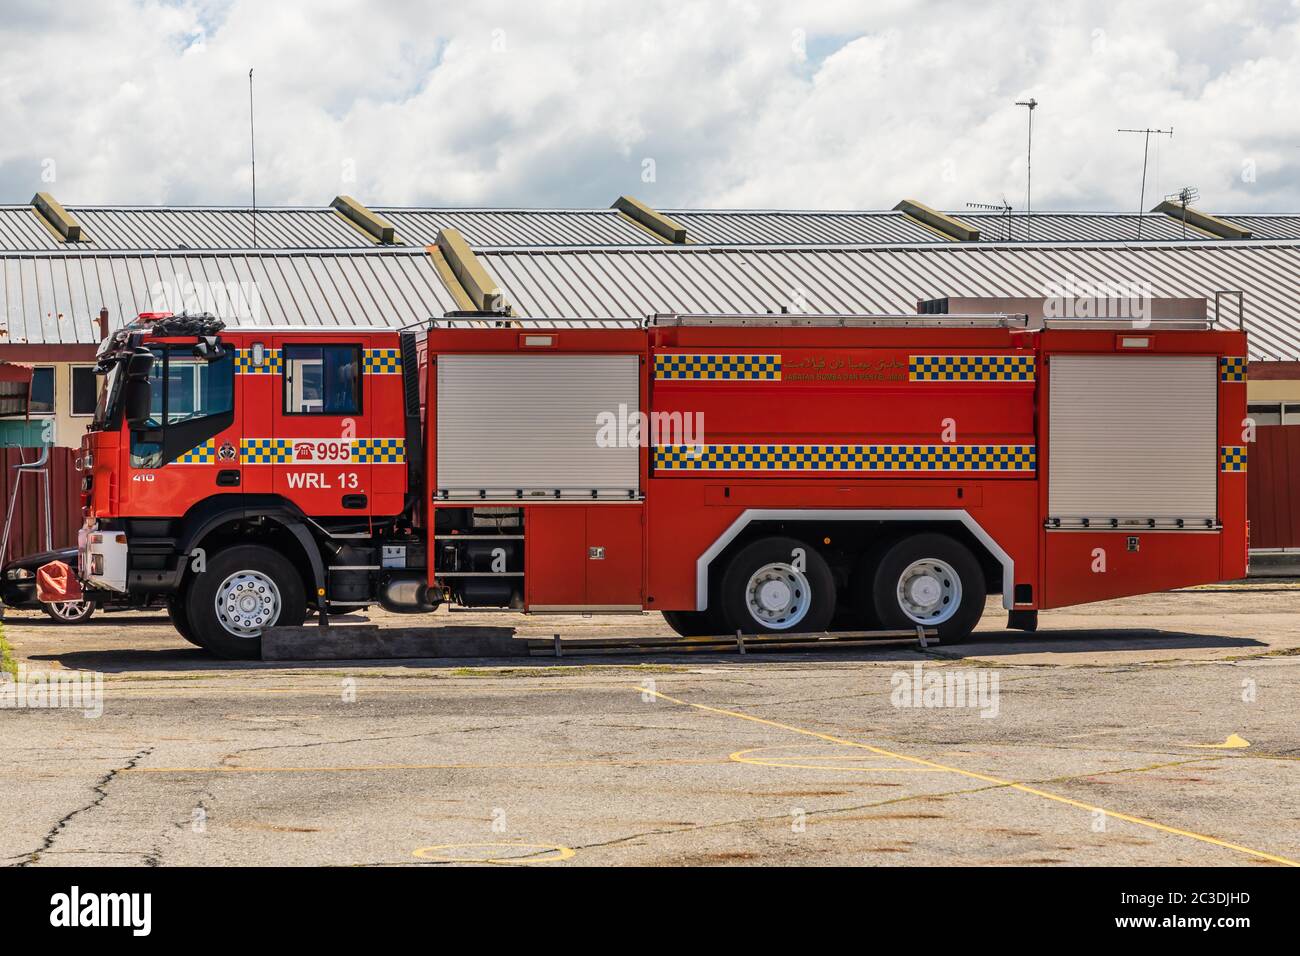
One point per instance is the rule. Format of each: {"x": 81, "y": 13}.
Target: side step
{"x": 740, "y": 642}
{"x": 372, "y": 642}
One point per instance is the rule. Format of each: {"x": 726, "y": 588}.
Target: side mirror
{"x": 136, "y": 399}
{"x": 139, "y": 364}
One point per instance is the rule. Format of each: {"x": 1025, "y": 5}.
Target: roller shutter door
{"x": 510, "y": 423}
{"x": 1133, "y": 437}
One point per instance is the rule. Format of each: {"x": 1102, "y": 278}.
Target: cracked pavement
{"x": 1112, "y": 745}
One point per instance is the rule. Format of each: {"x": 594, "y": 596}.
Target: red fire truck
{"x": 761, "y": 473}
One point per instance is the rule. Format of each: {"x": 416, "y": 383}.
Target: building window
{"x": 42, "y": 396}
{"x": 85, "y": 390}
{"x": 1274, "y": 413}
{"x": 322, "y": 379}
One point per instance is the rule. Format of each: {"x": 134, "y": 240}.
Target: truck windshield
{"x": 106, "y": 405}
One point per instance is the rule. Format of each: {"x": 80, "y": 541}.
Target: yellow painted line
{"x": 557, "y": 853}
{"x": 986, "y": 778}
{"x": 542, "y": 765}
{"x": 741, "y": 756}
{"x": 1233, "y": 742}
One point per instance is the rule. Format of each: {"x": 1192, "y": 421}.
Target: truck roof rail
{"x": 995, "y": 320}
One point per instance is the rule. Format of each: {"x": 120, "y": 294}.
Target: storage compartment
{"x": 529, "y": 426}
{"x": 584, "y": 557}
{"x": 1132, "y": 441}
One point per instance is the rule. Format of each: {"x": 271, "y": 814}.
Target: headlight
{"x": 19, "y": 574}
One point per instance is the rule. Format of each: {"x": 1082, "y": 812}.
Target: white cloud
{"x": 841, "y": 104}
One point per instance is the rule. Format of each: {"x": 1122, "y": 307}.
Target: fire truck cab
{"x": 755, "y": 473}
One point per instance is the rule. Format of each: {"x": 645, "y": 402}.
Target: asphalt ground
{"x": 1158, "y": 730}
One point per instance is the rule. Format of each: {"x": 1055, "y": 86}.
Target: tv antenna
{"x": 1146, "y": 144}
{"x": 1031, "y": 103}
{"x": 252, "y": 152}
{"x": 1184, "y": 197}
{"x": 1002, "y": 209}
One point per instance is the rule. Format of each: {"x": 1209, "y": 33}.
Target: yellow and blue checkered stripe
{"x": 1232, "y": 458}
{"x": 205, "y": 454}
{"x": 719, "y": 367}
{"x": 379, "y": 451}
{"x": 266, "y": 451}
{"x": 376, "y": 362}
{"x": 1020, "y": 458}
{"x": 364, "y": 451}
{"x": 1232, "y": 368}
{"x": 383, "y": 361}
{"x": 970, "y": 368}
{"x": 244, "y": 364}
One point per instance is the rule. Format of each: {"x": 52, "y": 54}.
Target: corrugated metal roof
{"x": 111, "y": 228}
{"x": 607, "y": 283}
{"x": 1084, "y": 227}
{"x": 800, "y": 227}
{"x": 519, "y": 227}
{"x": 53, "y": 299}
{"x": 159, "y": 229}
{"x": 1268, "y": 227}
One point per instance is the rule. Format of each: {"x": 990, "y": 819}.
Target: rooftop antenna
{"x": 1146, "y": 144}
{"x": 1003, "y": 210}
{"x": 1185, "y": 197}
{"x": 252, "y": 151}
{"x": 1029, "y": 165}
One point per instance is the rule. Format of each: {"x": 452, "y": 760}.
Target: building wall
{"x": 68, "y": 428}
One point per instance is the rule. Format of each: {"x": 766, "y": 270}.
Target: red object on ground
{"x": 57, "y": 582}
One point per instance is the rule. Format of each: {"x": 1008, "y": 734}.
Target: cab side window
{"x": 192, "y": 399}
{"x": 322, "y": 379}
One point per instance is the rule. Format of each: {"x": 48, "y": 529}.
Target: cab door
{"x": 189, "y": 449}
{"x": 321, "y": 421}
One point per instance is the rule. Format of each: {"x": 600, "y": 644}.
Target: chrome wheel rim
{"x": 68, "y": 610}
{"x": 929, "y": 591}
{"x": 247, "y": 602}
{"x": 778, "y": 596}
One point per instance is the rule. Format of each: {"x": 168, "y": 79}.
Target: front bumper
{"x": 103, "y": 558}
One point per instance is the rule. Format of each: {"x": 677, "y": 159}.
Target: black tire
{"x": 69, "y": 612}
{"x": 691, "y": 623}
{"x": 180, "y": 620}
{"x": 961, "y": 582}
{"x": 268, "y": 576}
{"x": 811, "y": 610}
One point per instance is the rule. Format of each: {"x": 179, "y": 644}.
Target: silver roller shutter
{"x": 1133, "y": 437}
{"x": 508, "y": 423}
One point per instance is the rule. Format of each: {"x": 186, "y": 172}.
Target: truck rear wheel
{"x": 778, "y": 585}
{"x": 243, "y": 591}
{"x": 931, "y": 580}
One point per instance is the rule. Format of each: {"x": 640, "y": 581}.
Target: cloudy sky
{"x": 746, "y": 103}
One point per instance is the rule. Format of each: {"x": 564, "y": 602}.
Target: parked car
{"x": 18, "y": 590}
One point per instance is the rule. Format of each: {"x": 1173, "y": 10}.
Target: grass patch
{"x": 7, "y": 663}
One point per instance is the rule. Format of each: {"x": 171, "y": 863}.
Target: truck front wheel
{"x": 778, "y": 585}
{"x": 243, "y": 591}
{"x": 176, "y": 612}
{"x": 930, "y": 580}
